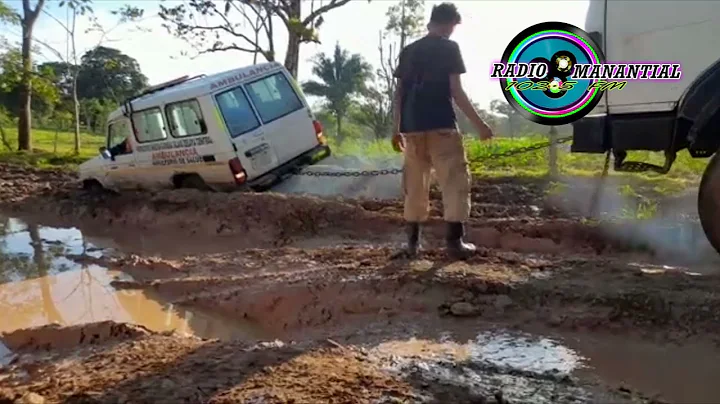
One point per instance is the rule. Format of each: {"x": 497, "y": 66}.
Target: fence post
{"x": 552, "y": 153}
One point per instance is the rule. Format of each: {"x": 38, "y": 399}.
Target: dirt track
{"x": 318, "y": 272}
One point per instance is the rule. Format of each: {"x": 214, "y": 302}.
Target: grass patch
{"x": 46, "y": 153}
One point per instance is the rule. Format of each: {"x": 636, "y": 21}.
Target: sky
{"x": 487, "y": 28}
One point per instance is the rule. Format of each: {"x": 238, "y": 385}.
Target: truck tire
{"x": 709, "y": 202}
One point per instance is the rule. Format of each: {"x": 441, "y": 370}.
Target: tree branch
{"x": 56, "y": 20}
{"x": 322, "y": 10}
{"x": 227, "y": 29}
{"x": 225, "y": 48}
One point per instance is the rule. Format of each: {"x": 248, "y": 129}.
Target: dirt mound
{"x": 292, "y": 292}
{"x": 54, "y": 337}
{"x": 17, "y": 182}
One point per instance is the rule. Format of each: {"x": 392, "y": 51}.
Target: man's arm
{"x": 463, "y": 102}
{"x": 397, "y": 105}
{"x": 399, "y": 73}
{"x": 457, "y": 67}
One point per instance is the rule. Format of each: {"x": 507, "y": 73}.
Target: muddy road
{"x": 182, "y": 296}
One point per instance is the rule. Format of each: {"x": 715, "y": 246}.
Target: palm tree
{"x": 340, "y": 79}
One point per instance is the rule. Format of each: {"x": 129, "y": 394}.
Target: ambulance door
{"x": 286, "y": 120}
{"x": 155, "y": 153}
{"x": 121, "y": 165}
{"x": 254, "y": 148}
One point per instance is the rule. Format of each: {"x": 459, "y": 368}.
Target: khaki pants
{"x": 443, "y": 151}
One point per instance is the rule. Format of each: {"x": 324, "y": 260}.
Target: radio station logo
{"x": 554, "y": 73}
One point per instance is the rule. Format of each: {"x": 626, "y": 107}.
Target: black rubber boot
{"x": 456, "y": 246}
{"x": 413, "y": 237}
{"x": 413, "y": 242}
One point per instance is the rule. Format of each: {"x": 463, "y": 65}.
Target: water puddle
{"x": 42, "y": 281}
{"x": 495, "y": 360}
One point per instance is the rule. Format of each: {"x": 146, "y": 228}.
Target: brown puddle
{"x": 41, "y": 284}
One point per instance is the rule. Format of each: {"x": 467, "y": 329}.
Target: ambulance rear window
{"x": 273, "y": 97}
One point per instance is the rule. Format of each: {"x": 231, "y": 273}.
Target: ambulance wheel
{"x": 93, "y": 186}
{"x": 192, "y": 181}
{"x": 709, "y": 202}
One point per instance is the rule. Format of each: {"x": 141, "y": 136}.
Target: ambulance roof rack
{"x": 168, "y": 84}
{"x": 127, "y": 104}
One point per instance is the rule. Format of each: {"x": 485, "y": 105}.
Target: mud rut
{"x": 317, "y": 275}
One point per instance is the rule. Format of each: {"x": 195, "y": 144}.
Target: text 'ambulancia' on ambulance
{"x": 249, "y": 128}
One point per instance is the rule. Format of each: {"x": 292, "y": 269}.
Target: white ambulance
{"x": 244, "y": 128}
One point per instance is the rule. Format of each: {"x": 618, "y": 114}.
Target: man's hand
{"x": 398, "y": 142}
{"x": 485, "y": 132}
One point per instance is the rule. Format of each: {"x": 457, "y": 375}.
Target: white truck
{"x": 244, "y": 128}
{"x": 666, "y": 117}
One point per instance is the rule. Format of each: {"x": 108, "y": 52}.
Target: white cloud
{"x": 487, "y": 28}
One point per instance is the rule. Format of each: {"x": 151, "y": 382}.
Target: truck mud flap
{"x": 589, "y": 135}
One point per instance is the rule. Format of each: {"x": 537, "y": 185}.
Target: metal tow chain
{"x": 394, "y": 171}
{"x": 363, "y": 173}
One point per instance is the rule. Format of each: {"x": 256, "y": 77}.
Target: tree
{"x": 8, "y": 15}
{"x": 375, "y": 113}
{"x": 107, "y": 73}
{"x": 405, "y": 21}
{"x": 11, "y": 79}
{"x": 229, "y": 17}
{"x": 27, "y": 21}
{"x": 341, "y": 78}
{"x": 505, "y": 109}
{"x": 77, "y": 7}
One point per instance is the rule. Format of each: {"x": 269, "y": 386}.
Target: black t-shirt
{"x": 424, "y": 70}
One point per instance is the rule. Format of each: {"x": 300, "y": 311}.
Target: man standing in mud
{"x": 428, "y": 80}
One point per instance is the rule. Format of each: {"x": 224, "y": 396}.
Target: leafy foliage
{"x": 340, "y": 79}
{"x": 107, "y": 73}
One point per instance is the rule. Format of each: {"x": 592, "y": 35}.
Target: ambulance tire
{"x": 192, "y": 181}
{"x": 93, "y": 186}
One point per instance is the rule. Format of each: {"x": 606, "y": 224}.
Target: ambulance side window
{"x": 118, "y": 141}
{"x": 149, "y": 125}
{"x": 185, "y": 118}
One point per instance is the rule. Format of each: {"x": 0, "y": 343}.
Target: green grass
{"x": 46, "y": 154}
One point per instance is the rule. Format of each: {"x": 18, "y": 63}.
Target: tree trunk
{"x": 76, "y": 115}
{"x": 25, "y": 118}
{"x": 552, "y": 153}
{"x": 339, "y": 127}
{"x": 292, "y": 56}
{"x": 75, "y": 73}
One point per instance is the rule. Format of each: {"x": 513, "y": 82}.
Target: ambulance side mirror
{"x": 105, "y": 153}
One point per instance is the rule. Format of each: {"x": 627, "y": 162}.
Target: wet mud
{"x": 288, "y": 297}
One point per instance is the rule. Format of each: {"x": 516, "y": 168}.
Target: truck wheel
{"x": 709, "y": 202}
